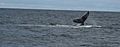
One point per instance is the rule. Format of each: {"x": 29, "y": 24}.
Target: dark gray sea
{"x": 12, "y": 35}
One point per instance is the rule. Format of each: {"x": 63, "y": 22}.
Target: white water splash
{"x": 65, "y": 26}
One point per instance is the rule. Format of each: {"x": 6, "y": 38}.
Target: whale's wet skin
{"x": 55, "y": 28}
{"x": 82, "y": 19}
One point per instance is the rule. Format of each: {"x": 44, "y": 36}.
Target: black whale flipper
{"x": 82, "y": 19}
{"x": 78, "y": 20}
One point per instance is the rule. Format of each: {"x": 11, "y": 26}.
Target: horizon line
{"x": 59, "y": 9}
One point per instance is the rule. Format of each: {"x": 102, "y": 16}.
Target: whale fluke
{"x": 82, "y": 19}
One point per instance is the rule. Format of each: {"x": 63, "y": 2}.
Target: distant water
{"x": 92, "y": 5}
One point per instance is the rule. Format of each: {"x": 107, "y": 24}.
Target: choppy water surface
{"x": 35, "y": 36}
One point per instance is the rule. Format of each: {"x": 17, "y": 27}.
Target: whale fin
{"x": 82, "y": 19}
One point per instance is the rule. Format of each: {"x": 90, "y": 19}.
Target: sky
{"x": 90, "y": 5}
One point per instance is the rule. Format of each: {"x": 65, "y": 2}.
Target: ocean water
{"x": 12, "y": 35}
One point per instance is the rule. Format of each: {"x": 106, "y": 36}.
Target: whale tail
{"x": 82, "y": 19}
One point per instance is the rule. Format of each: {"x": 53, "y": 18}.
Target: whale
{"x": 82, "y": 19}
